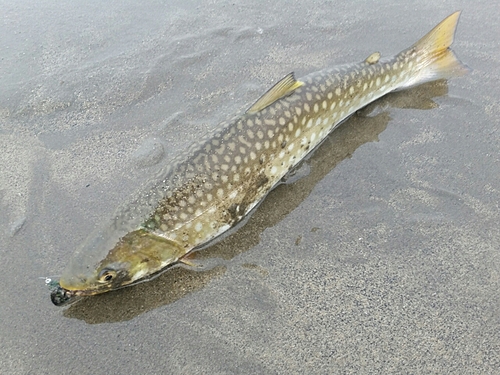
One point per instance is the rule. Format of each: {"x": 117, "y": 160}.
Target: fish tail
{"x": 435, "y": 59}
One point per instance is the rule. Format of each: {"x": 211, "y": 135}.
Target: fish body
{"x": 213, "y": 185}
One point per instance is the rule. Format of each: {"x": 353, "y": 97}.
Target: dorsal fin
{"x": 283, "y": 88}
{"x": 373, "y": 58}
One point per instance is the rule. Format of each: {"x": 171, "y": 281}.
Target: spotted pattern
{"x": 215, "y": 183}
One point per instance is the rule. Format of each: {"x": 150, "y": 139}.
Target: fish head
{"x": 134, "y": 256}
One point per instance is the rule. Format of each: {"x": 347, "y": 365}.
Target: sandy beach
{"x": 380, "y": 255}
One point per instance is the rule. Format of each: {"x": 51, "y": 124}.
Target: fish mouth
{"x": 61, "y": 296}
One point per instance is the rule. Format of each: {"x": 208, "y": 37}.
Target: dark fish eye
{"x": 106, "y": 275}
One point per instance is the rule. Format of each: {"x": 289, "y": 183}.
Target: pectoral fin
{"x": 188, "y": 261}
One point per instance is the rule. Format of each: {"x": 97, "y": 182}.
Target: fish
{"x": 218, "y": 181}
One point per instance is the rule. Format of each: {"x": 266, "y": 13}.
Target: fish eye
{"x": 106, "y": 275}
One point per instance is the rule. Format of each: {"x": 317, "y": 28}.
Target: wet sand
{"x": 380, "y": 256}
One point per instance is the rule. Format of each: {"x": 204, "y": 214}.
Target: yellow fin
{"x": 373, "y": 58}
{"x": 437, "y": 60}
{"x": 283, "y": 88}
{"x": 187, "y": 260}
{"x": 441, "y": 37}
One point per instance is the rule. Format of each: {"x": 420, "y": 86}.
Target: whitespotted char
{"x": 210, "y": 188}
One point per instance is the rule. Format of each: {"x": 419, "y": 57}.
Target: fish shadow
{"x": 177, "y": 282}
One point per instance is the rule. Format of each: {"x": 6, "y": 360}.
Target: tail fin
{"x": 437, "y": 60}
